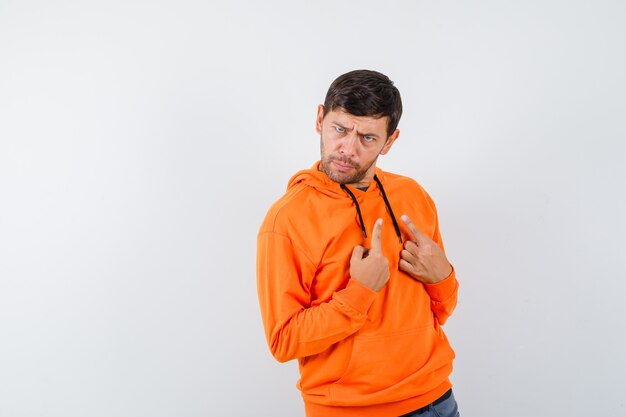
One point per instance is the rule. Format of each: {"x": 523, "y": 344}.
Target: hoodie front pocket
{"x": 401, "y": 361}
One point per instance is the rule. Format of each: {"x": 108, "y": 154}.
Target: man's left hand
{"x": 422, "y": 258}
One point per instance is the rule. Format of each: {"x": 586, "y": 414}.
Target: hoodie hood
{"x": 316, "y": 178}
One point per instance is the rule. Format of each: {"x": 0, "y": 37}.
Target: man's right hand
{"x": 370, "y": 267}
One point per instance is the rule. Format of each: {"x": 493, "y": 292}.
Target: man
{"x": 356, "y": 296}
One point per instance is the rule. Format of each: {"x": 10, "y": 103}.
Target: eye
{"x": 339, "y": 129}
{"x": 369, "y": 139}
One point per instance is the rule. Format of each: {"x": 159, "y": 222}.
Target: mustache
{"x": 344, "y": 160}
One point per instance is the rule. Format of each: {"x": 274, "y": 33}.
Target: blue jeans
{"x": 447, "y": 408}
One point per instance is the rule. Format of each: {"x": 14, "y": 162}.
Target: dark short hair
{"x": 365, "y": 93}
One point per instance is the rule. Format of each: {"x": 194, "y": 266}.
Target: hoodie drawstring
{"x": 393, "y": 218}
{"x": 358, "y": 209}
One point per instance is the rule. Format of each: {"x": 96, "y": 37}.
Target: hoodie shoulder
{"x": 284, "y": 207}
{"x": 396, "y": 183}
{"x": 298, "y": 198}
{"x": 389, "y": 179}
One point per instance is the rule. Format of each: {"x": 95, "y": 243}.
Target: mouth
{"x": 342, "y": 167}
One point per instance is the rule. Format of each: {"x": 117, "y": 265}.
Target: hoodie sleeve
{"x": 293, "y": 328}
{"x": 443, "y": 295}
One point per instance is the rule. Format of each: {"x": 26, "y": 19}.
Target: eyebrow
{"x": 359, "y": 133}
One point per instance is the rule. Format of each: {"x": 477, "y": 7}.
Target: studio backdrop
{"x": 141, "y": 144}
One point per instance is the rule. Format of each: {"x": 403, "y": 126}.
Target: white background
{"x": 141, "y": 144}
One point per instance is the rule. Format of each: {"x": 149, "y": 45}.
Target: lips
{"x": 342, "y": 166}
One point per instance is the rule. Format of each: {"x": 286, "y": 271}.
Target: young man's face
{"x": 351, "y": 144}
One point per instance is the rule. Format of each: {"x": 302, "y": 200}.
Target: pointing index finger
{"x": 415, "y": 232}
{"x": 376, "y": 233}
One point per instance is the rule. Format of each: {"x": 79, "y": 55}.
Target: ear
{"x": 319, "y": 119}
{"x": 390, "y": 140}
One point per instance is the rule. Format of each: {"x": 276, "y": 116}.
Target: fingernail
{"x": 404, "y": 218}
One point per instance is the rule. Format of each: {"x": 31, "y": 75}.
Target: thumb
{"x": 357, "y": 253}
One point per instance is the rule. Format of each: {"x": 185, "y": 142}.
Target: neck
{"x": 367, "y": 179}
{"x": 364, "y": 183}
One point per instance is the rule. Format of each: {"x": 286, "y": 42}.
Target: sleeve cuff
{"x": 444, "y": 289}
{"x": 357, "y": 296}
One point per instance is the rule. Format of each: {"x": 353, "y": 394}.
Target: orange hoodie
{"x": 361, "y": 353}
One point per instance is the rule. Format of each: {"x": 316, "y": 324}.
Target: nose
{"x": 348, "y": 144}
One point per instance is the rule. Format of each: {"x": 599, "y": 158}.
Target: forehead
{"x": 362, "y": 123}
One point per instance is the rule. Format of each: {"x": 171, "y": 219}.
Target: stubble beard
{"x": 341, "y": 178}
